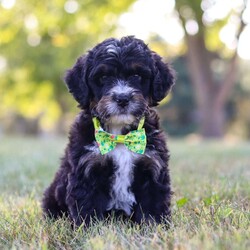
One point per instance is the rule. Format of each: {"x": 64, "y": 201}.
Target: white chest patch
{"x": 121, "y": 196}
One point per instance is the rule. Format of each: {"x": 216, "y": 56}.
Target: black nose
{"x": 122, "y": 99}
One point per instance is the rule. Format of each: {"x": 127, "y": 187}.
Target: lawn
{"x": 211, "y": 201}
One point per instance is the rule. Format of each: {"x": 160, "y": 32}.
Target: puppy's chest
{"x": 122, "y": 197}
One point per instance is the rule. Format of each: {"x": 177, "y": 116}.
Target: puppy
{"x": 116, "y": 160}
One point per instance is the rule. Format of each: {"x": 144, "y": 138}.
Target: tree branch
{"x": 230, "y": 77}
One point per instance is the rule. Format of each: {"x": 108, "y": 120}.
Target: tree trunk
{"x": 210, "y": 99}
{"x": 212, "y": 121}
{"x": 211, "y": 96}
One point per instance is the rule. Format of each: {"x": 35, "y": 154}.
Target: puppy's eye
{"x": 135, "y": 77}
{"x": 104, "y": 77}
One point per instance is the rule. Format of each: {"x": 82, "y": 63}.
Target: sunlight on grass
{"x": 210, "y": 204}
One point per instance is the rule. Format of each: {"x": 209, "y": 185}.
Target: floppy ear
{"x": 164, "y": 78}
{"x": 76, "y": 82}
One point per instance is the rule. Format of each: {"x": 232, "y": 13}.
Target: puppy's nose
{"x": 122, "y": 99}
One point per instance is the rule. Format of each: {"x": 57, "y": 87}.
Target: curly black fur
{"x": 83, "y": 187}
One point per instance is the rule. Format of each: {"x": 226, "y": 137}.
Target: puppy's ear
{"x": 164, "y": 78}
{"x": 76, "y": 81}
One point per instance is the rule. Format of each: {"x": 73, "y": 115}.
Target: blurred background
{"x": 206, "y": 41}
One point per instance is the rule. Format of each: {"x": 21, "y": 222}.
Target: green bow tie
{"x": 135, "y": 140}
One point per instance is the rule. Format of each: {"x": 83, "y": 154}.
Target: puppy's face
{"x": 119, "y": 79}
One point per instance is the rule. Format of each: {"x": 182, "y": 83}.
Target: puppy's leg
{"x": 50, "y": 204}
{"x": 53, "y": 202}
{"x": 88, "y": 196}
{"x": 153, "y": 196}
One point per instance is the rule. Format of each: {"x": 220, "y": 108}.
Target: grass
{"x": 211, "y": 204}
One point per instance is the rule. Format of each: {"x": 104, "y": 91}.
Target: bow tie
{"x": 135, "y": 140}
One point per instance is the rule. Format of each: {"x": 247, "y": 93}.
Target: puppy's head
{"x": 119, "y": 79}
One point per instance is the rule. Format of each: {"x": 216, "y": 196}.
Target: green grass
{"x": 211, "y": 181}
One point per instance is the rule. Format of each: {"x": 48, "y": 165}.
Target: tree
{"x": 212, "y": 90}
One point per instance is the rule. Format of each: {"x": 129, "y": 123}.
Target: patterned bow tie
{"x": 135, "y": 140}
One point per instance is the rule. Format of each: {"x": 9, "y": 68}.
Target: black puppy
{"x": 116, "y": 159}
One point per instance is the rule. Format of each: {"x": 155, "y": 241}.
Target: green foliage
{"x": 210, "y": 29}
{"x": 181, "y": 202}
{"x": 210, "y": 202}
{"x": 40, "y": 42}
